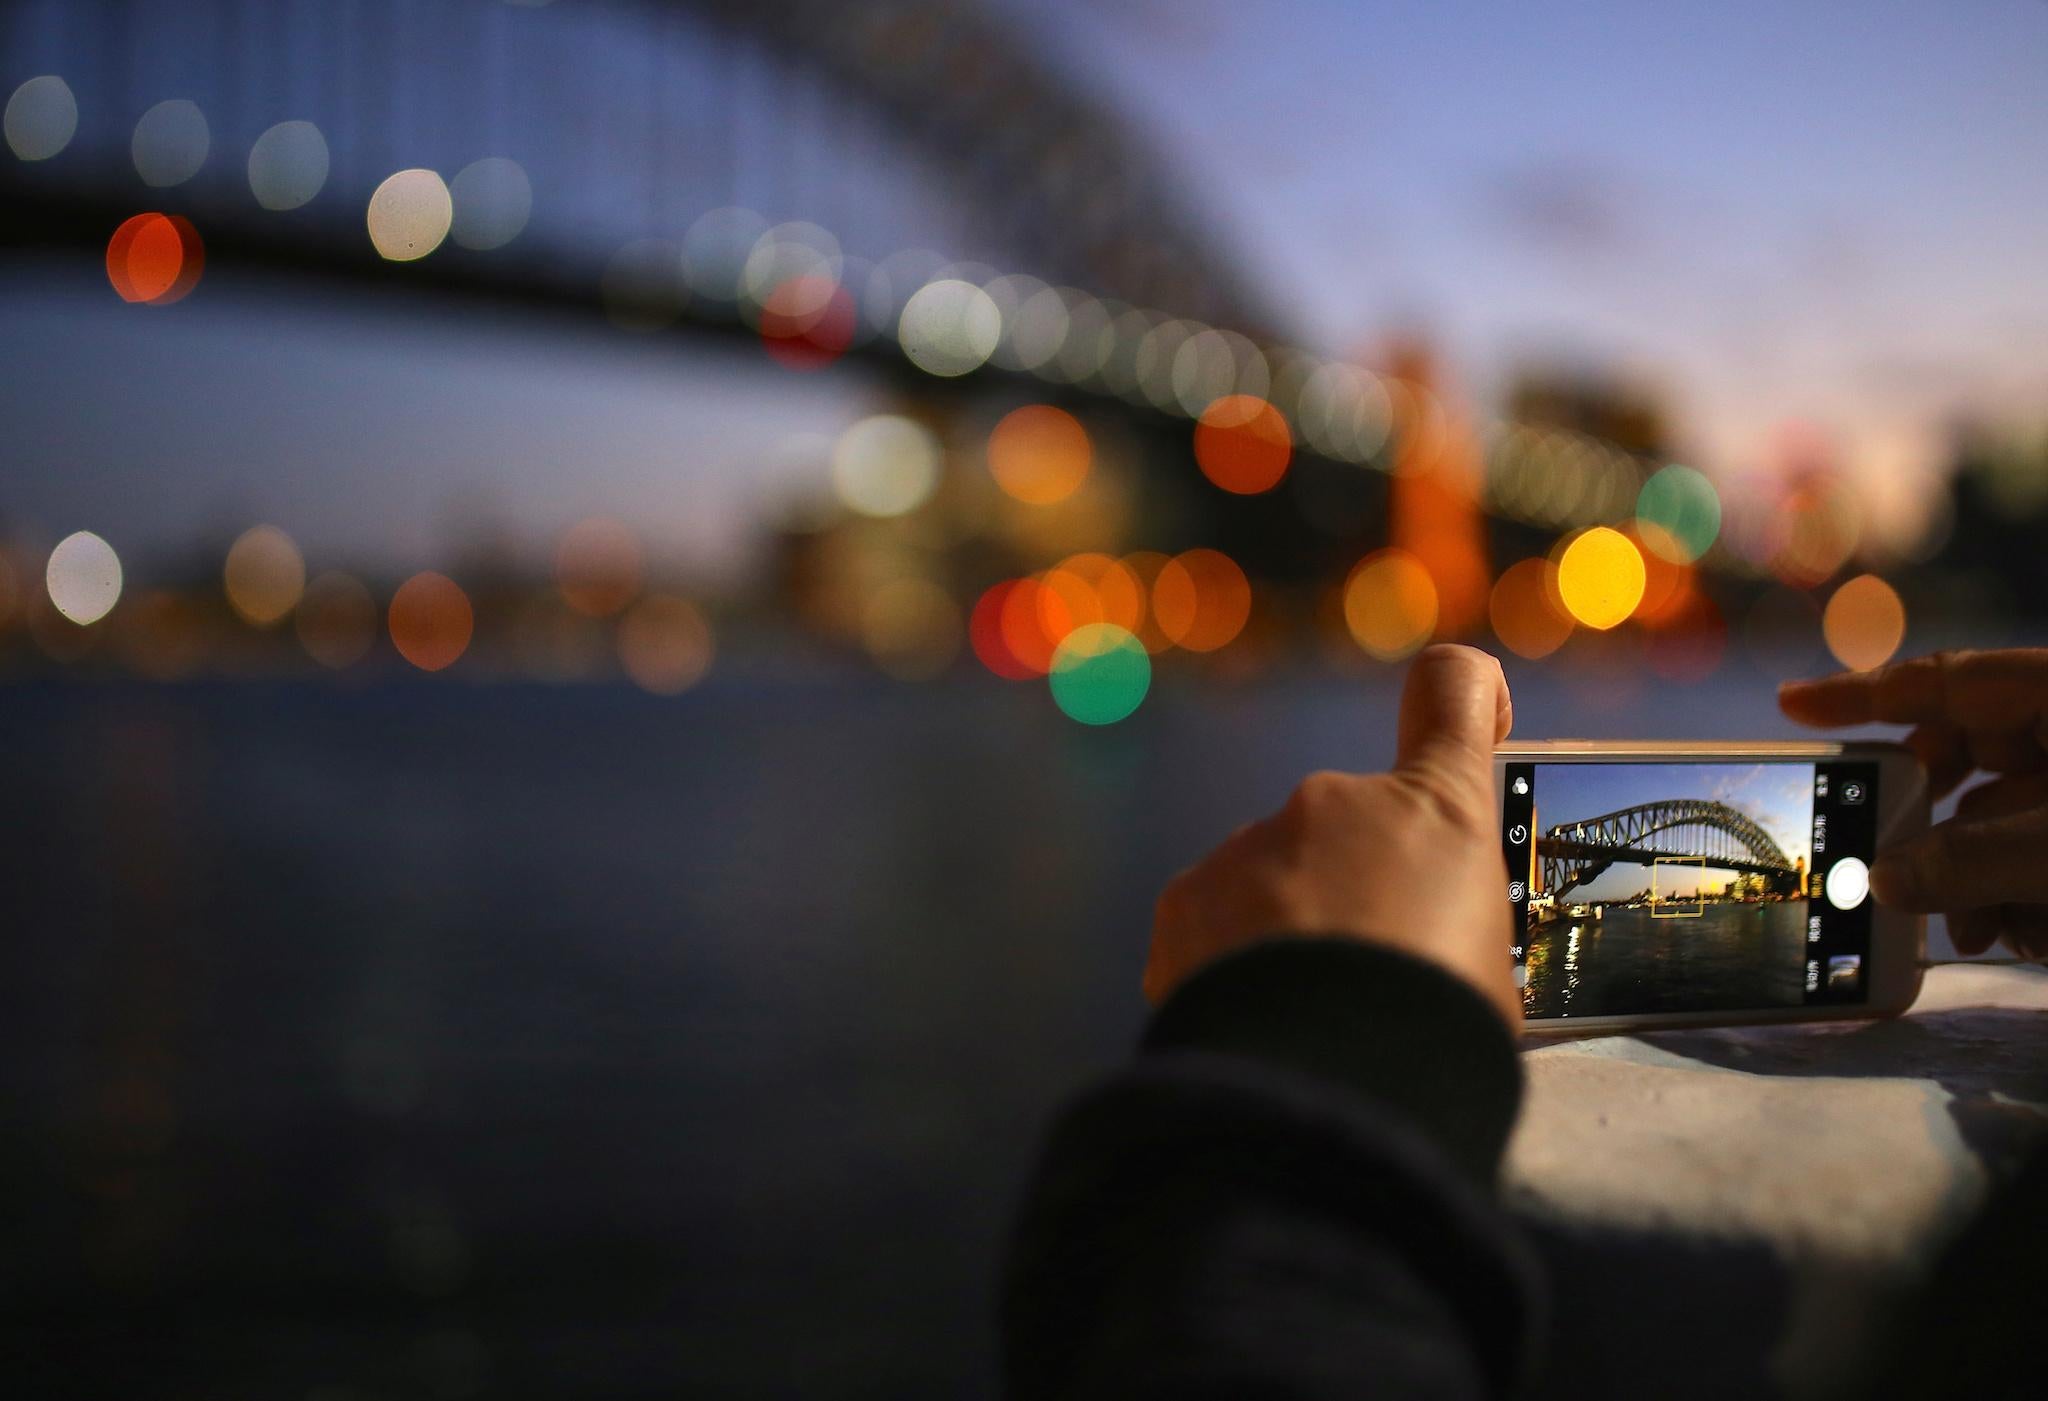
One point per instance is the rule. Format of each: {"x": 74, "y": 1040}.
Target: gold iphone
{"x": 1667, "y": 885}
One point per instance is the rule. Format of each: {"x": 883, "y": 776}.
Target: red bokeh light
{"x": 155, "y": 259}
{"x": 807, "y": 322}
{"x": 1242, "y": 444}
{"x": 986, "y": 635}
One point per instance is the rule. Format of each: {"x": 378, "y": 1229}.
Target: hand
{"x": 1409, "y": 859}
{"x": 1971, "y": 711}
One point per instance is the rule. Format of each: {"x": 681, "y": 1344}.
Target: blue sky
{"x": 1778, "y": 796}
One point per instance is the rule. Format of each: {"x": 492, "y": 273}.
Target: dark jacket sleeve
{"x": 1290, "y": 1194}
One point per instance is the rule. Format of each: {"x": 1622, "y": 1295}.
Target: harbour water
{"x": 1729, "y": 956}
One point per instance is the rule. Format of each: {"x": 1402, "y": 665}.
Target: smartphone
{"x": 1667, "y": 885}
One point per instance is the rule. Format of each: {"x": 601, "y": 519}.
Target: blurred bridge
{"x": 894, "y": 123}
{"x": 1690, "y": 829}
{"x": 633, "y": 155}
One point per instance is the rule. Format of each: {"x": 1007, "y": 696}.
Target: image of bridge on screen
{"x": 1665, "y": 886}
{"x": 1670, "y": 838}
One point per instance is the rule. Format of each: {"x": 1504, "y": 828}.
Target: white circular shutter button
{"x": 1848, "y": 883}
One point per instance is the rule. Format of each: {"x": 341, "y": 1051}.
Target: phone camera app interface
{"x": 1688, "y": 887}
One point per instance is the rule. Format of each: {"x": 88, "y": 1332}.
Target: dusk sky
{"x": 1778, "y": 796}
{"x": 1829, "y": 213}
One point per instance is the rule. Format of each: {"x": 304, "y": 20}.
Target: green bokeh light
{"x": 1686, "y": 511}
{"x": 1099, "y": 674}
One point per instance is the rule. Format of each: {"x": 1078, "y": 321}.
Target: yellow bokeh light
{"x": 1600, "y": 577}
{"x": 1390, "y": 604}
{"x": 265, "y": 575}
{"x": 410, "y": 214}
{"x": 1864, "y": 623}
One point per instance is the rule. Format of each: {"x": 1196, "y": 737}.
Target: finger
{"x": 1942, "y": 751}
{"x": 1964, "y": 865}
{"x": 2001, "y": 690}
{"x": 1973, "y": 931}
{"x": 2002, "y": 797}
{"x": 2025, "y": 930}
{"x": 2004, "y": 751}
{"x": 2022, "y": 928}
{"x": 1454, "y": 709}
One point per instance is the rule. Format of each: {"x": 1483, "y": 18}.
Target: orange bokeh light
{"x": 430, "y": 621}
{"x": 1667, "y": 587}
{"x": 1524, "y": 609}
{"x": 1144, "y": 566}
{"x": 1864, "y": 623}
{"x": 1242, "y": 444}
{"x": 1390, "y": 604}
{"x": 1039, "y": 454}
{"x": 665, "y": 644}
{"x": 598, "y": 567}
{"x": 155, "y": 258}
{"x": 1201, "y": 600}
{"x": 1034, "y": 620}
{"x": 1090, "y": 588}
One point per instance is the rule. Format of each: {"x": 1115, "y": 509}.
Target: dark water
{"x": 431, "y": 1038}
{"x": 1731, "y": 956}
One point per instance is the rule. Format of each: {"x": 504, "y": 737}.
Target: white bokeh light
{"x": 716, "y": 249}
{"x": 493, "y": 200}
{"x": 409, "y": 215}
{"x": 885, "y": 466}
{"x": 170, "y": 143}
{"x": 950, "y": 327}
{"x": 83, "y": 577}
{"x": 41, "y": 119}
{"x": 288, "y": 165}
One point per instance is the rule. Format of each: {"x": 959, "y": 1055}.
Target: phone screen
{"x": 1667, "y": 886}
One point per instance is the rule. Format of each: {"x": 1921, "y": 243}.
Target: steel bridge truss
{"x": 1695, "y": 829}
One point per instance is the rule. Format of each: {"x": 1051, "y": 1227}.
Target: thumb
{"x": 1454, "y": 710}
